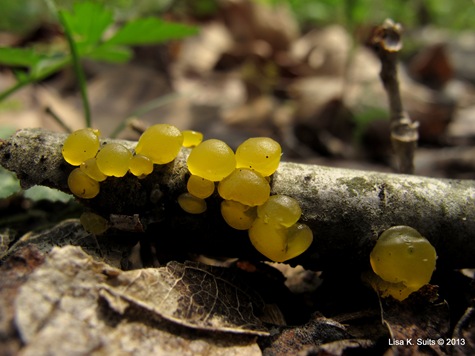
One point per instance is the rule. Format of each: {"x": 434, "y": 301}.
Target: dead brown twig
{"x": 387, "y": 41}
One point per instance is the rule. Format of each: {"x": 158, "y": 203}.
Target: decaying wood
{"x": 346, "y": 209}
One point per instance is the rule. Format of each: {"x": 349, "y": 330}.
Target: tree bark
{"x": 346, "y": 209}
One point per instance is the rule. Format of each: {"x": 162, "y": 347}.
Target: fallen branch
{"x": 346, "y": 209}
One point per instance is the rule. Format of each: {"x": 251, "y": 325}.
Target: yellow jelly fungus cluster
{"x": 243, "y": 183}
{"x": 403, "y": 260}
{"x": 159, "y": 144}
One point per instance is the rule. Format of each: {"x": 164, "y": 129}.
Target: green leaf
{"x": 49, "y": 65}
{"x": 150, "y": 30}
{"x": 21, "y": 75}
{"x": 6, "y": 132}
{"x": 39, "y": 192}
{"x": 22, "y": 57}
{"x": 88, "y": 21}
{"x": 9, "y": 184}
{"x": 110, "y": 53}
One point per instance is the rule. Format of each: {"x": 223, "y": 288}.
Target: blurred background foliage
{"x": 22, "y": 16}
{"x": 454, "y": 15}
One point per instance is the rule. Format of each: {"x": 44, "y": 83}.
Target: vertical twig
{"x": 386, "y": 39}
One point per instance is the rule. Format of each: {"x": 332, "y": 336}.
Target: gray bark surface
{"x": 346, "y": 209}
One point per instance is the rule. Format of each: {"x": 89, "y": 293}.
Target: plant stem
{"x": 77, "y": 67}
{"x": 17, "y": 86}
{"x": 58, "y": 120}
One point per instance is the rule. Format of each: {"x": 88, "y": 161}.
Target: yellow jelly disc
{"x": 113, "y": 159}
{"x": 161, "y": 143}
{"x": 211, "y": 159}
{"x": 140, "y": 166}
{"x": 191, "y": 138}
{"x": 299, "y": 239}
{"x": 401, "y": 254}
{"x": 80, "y": 146}
{"x": 94, "y": 223}
{"x": 200, "y": 187}
{"x": 245, "y": 186}
{"x": 81, "y": 185}
{"x": 191, "y": 204}
{"x": 261, "y": 154}
{"x": 92, "y": 170}
{"x": 281, "y": 209}
{"x": 269, "y": 239}
{"x": 237, "y": 215}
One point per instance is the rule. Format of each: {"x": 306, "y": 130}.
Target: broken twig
{"x": 387, "y": 41}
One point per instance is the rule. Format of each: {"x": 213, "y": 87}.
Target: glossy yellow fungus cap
{"x": 403, "y": 256}
{"x": 80, "y": 146}
{"x": 211, "y": 159}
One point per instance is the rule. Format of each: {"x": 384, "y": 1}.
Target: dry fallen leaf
{"x": 416, "y": 324}
{"x": 191, "y": 294}
{"x": 13, "y": 274}
{"x": 72, "y": 304}
{"x": 305, "y": 339}
{"x": 111, "y": 249}
{"x": 463, "y": 338}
